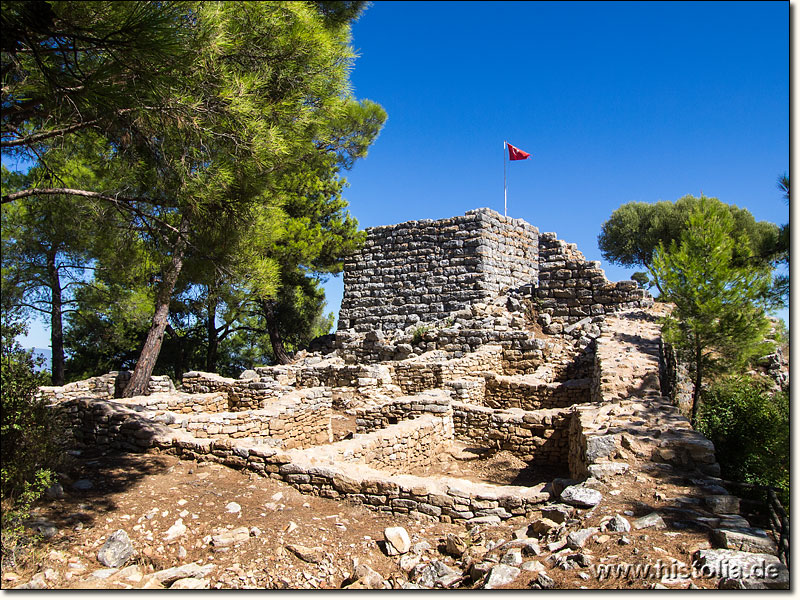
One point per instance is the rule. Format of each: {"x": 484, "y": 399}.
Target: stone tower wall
{"x": 572, "y": 288}
{"x": 421, "y": 271}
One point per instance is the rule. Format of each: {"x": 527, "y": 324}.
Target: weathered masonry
{"x": 472, "y": 332}
{"x": 420, "y": 271}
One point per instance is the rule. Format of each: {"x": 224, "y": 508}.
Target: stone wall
{"x": 397, "y": 448}
{"x": 298, "y": 420}
{"x": 433, "y": 370}
{"x": 106, "y": 386}
{"x": 421, "y": 271}
{"x": 198, "y": 382}
{"x": 379, "y": 416}
{"x": 540, "y": 436}
{"x": 572, "y": 289}
{"x": 179, "y": 402}
{"x": 112, "y": 425}
{"x": 530, "y": 394}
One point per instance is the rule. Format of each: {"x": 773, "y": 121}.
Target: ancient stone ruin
{"x": 473, "y": 335}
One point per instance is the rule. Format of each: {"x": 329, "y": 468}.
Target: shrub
{"x": 28, "y": 430}
{"x": 419, "y": 334}
{"x": 750, "y": 430}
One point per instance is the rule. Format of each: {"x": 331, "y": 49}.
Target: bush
{"x": 28, "y": 430}
{"x": 419, "y": 334}
{"x": 750, "y": 430}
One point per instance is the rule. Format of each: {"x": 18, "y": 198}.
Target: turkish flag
{"x": 516, "y": 153}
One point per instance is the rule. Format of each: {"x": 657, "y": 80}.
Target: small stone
{"x": 512, "y": 557}
{"x": 175, "y": 531}
{"x": 577, "y": 539}
{"x": 650, "y": 521}
{"x": 167, "y": 576}
{"x": 231, "y": 538}
{"x": 55, "y": 491}
{"x": 558, "y": 513}
{"x": 500, "y": 575}
{"x": 364, "y": 577}
{"x": 478, "y": 571}
{"x": 397, "y": 540}
{"x": 117, "y": 550}
{"x": 310, "y": 555}
{"x": 82, "y": 485}
{"x": 103, "y": 573}
{"x": 542, "y": 527}
{"x": 434, "y": 573}
{"x": 409, "y": 561}
{"x": 190, "y": 583}
{"x": 543, "y": 582}
{"x": 605, "y": 471}
{"x": 581, "y": 496}
{"x": 618, "y": 523}
{"x": 533, "y": 566}
{"x": 233, "y": 507}
{"x": 455, "y": 545}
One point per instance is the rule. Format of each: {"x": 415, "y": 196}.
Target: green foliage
{"x": 641, "y": 278}
{"x": 418, "y": 336}
{"x": 750, "y": 430}
{"x": 28, "y": 429}
{"x": 207, "y": 138}
{"x": 634, "y": 231}
{"x": 719, "y": 321}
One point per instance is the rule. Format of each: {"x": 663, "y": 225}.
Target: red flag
{"x": 516, "y": 153}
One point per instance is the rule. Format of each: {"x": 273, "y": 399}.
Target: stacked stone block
{"x": 379, "y": 416}
{"x": 421, "y": 271}
{"x": 530, "y": 394}
{"x": 110, "y": 385}
{"x": 572, "y": 289}
{"x": 540, "y": 436}
{"x": 396, "y": 448}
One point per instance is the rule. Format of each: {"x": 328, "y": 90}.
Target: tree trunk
{"x": 56, "y": 328}
{"x": 212, "y": 349}
{"x": 278, "y": 351}
{"x": 137, "y": 386}
{"x": 698, "y": 381}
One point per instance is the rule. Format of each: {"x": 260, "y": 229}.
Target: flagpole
{"x": 505, "y": 183}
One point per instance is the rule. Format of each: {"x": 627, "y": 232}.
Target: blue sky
{"x": 617, "y": 102}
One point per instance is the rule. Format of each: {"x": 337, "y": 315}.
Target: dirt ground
{"x": 147, "y": 494}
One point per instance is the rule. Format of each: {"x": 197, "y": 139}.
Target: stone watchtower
{"x": 421, "y": 271}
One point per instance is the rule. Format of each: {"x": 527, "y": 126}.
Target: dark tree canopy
{"x": 634, "y": 231}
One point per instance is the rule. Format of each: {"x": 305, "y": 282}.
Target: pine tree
{"x": 719, "y": 319}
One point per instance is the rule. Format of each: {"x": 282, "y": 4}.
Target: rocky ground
{"x": 190, "y": 525}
